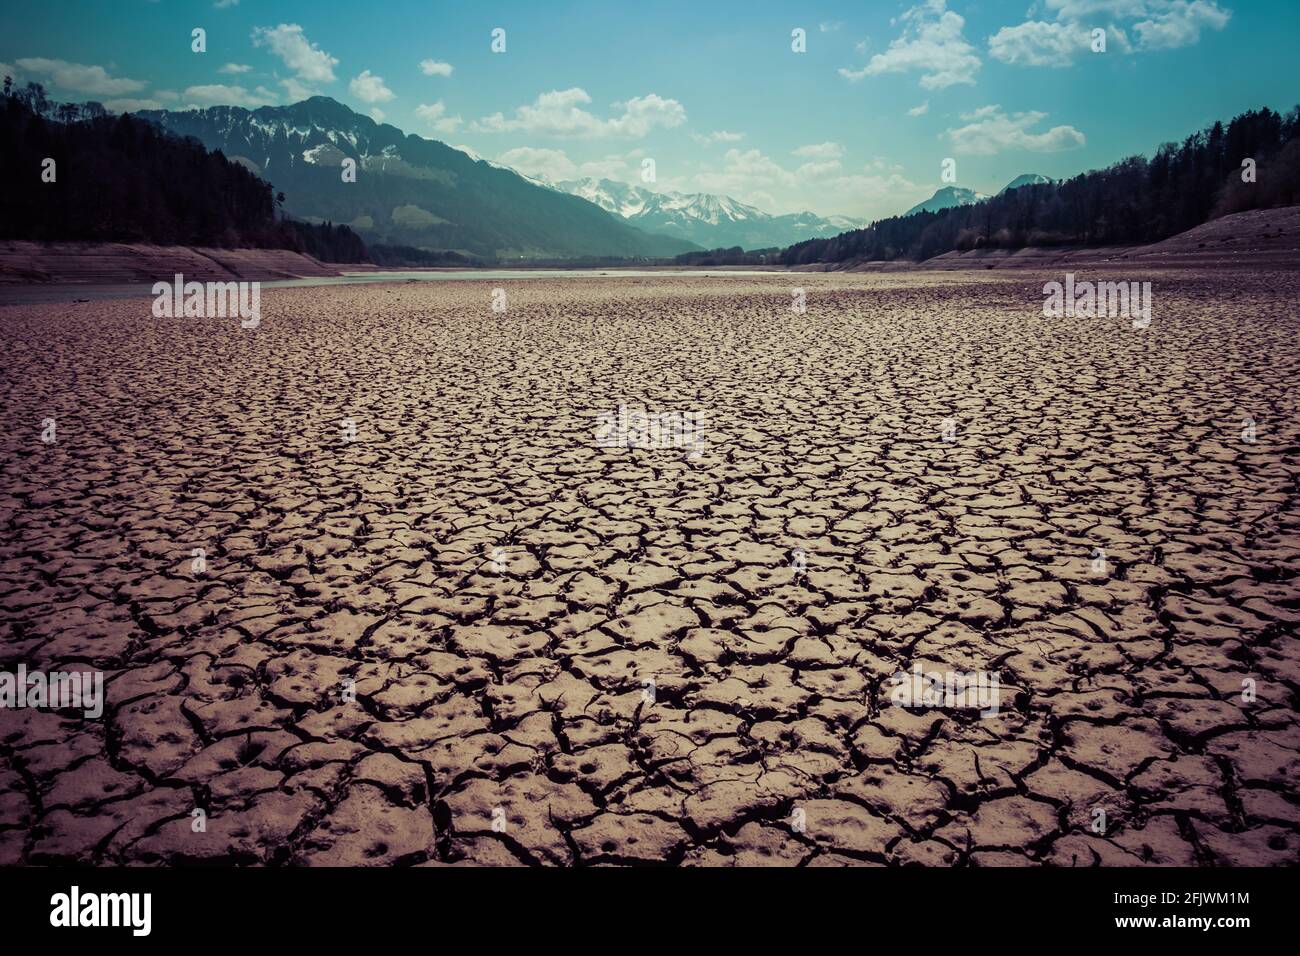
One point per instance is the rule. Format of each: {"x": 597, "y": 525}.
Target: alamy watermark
{"x": 637, "y": 428}
{"x": 57, "y": 690}
{"x": 1091, "y": 300}
{"x": 954, "y": 690}
{"x": 133, "y": 911}
{"x": 208, "y": 300}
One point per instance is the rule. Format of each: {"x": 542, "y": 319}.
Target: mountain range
{"x": 408, "y": 190}
{"x": 413, "y": 191}
{"x": 714, "y": 222}
{"x": 946, "y": 198}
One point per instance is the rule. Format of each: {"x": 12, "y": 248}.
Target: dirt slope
{"x": 24, "y": 262}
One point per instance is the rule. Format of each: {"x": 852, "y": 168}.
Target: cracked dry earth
{"x": 360, "y": 676}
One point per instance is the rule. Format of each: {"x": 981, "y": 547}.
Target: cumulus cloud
{"x": 435, "y": 114}
{"x": 561, "y": 113}
{"x": 932, "y": 43}
{"x": 295, "y": 89}
{"x": 78, "y": 77}
{"x": 435, "y": 68}
{"x": 1040, "y": 43}
{"x": 1157, "y": 25}
{"x": 1180, "y": 25}
{"x": 745, "y": 171}
{"x": 989, "y": 130}
{"x": 369, "y": 88}
{"x": 919, "y": 110}
{"x": 820, "y": 151}
{"x": 608, "y": 167}
{"x": 717, "y": 136}
{"x": 819, "y": 169}
{"x": 308, "y": 62}
{"x": 234, "y": 68}
{"x": 823, "y": 186}
{"x": 1074, "y": 9}
{"x": 217, "y": 94}
{"x": 552, "y": 164}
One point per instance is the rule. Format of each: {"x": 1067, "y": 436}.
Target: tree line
{"x": 734, "y": 256}
{"x": 1134, "y": 201}
{"x": 80, "y": 173}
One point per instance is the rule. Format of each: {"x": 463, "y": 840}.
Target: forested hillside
{"x": 122, "y": 179}
{"x": 1136, "y": 200}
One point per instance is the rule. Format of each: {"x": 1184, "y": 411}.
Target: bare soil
{"x": 472, "y": 635}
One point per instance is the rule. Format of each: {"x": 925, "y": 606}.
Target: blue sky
{"x": 858, "y": 125}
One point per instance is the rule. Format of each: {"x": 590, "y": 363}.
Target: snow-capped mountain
{"x": 702, "y": 218}
{"x": 1026, "y": 179}
{"x": 407, "y": 190}
{"x": 947, "y": 198}
{"x": 950, "y": 196}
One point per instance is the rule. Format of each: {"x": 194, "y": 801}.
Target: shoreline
{"x": 51, "y": 293}
{"x": 33, "y": 272}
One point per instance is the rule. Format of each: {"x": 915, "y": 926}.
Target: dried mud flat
{"x": 432, "y": 644}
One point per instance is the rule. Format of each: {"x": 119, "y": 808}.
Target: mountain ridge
{"x": 947, "y": 197}
{"x": 706, "y": 219}
{"x": 1026, "y": 179}
{"x": 408, "y": 190}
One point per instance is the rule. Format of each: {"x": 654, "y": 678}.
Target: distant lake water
{"x": 74, "y": 291}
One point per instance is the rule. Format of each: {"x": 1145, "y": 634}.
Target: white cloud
{"x": 1180, "y": 25}
{"x": 743, "y": 172}
{"x": 217, "y": 94}
{"x": 829, "y": 26}
{"x": 435, "y": 68}
{"x": 309, "y": 63}
{"x": 820, "y": 151}
{"x": 931, "y": 42}
{"x": 377, "y": 114}
{"x": 1075, "y": 9}
{"x": 1158, "y": 25}
{"x": 989, "y": 130}
{"x": 369, "y": 88}
{"x": 717, "y": 136}
{"x": 553, "y": 164}
{"x": 819, "y": 169}
{"x": 610, "y": 167}
{"x": 560, "y": 113}
{"x": 235, "y": 68}
{"x": 435, "y": 114}
{"x": 296, "y": 90}
{"x": 822, "y": 186}
{"x": 919, "y": 110}
{"x": 224, "y": 4}
{"x": 79, "y": 77}
{"x": 1040, "y": 43}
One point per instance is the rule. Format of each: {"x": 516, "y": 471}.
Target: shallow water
{"x": 78, "y": 292}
